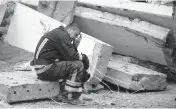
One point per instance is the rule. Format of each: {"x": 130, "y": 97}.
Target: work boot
{"x": 64, "y": 99}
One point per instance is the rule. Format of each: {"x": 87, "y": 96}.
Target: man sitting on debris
{"x": 57, "y": 58}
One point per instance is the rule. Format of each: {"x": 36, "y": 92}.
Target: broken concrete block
{"x": 134, "y": 77}
{"x": 22, "y": 86}
{"x": 2, "y": 11}
{"x": 27, "y": 38}
{"x": 33, "y": 3}
{"x": 131, "y": 37}
{"x": 146, "y": 64}
{"x": 65, "y": 11}
{"x": 47, "y": 7}
{"x": 62, "y": 11}
{"x": 154, "y": 13}
{"x": 160, "y": 1}
{"x": 98, "y": 53}
{"x": 25, "y": 31}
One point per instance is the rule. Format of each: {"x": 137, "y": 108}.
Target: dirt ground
{"x": 10, "y": 56}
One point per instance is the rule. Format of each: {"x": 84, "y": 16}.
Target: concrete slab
{"x": 30, "y": 2}
{"x": 2, "y": 11}
{"x": 98, "y": 53}
{"x": 134, "y": 77}
{"x": 22, "y": 86}
{"x": 62, "y": 11}
{"x": 154, "y": 13}
{"x": 165, "y": 2}
{"x": 49, "y": 9}
{"x": 27, "y": 38}
{"x": 25, "y": 31}
{"x": 135, "y": 38}
{"x": 65, "y": 11}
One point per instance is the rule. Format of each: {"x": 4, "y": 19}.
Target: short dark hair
{"x": 74, "y": 27}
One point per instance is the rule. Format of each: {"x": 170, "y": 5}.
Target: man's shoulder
{"x": 58, "y": 34}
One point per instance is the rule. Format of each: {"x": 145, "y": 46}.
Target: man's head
{"x": 75, "y": 33}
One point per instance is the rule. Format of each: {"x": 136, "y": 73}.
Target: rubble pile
{"x": 136, "y": 30}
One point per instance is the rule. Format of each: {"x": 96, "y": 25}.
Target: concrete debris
{"x": 155, "y": 13}
{"x": 146, "y": 64}
{"x": 47, "y": 7}
{"x": 132, "y": 35}
{"x": 160, "y": 1}
{"x": 62, "y": 11}
{"x": 99, "y": 54}
{"x": 2, "y": 12}
{"x": 36, "y": 24}
{"x": 3, "y": 30}
{"x": 136, "y": 38}
{"x": 34, "y": 3}
{"x": 134, "y": 77}
{"x": 27, "y": 38}
{"x": 65, "y": 11}
{"x": 22, "y": 86}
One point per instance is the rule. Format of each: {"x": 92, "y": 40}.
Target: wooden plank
{"x": 135, "y": 38}
{"x": 134, "y": 77}
{"x": 155, "y": 13}
{"x": 22, "y": 86}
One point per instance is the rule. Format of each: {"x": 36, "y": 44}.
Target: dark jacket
{"x": 57, "y": 46}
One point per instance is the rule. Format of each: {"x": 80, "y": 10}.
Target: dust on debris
{"x": 10, "y": 57}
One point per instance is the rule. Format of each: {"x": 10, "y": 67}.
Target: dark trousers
{"x": 65, "y": 70}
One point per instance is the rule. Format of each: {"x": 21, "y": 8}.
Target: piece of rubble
{"x": 3, "y": 8}
{"x": 99, "y": 54}
{"x": 47, "y": 7}
{"x": 134, "y": 77}
{"x": 24, "y": 85}
{"x": 62, "y": 11}
{"x": 131, "y": 37}
{"x": 65, "y": 11}
{"x": 157, "y": 14}
{"x": 27, "y": 38}
{"x": 27, "y": 26}
{"x": 165, "y": 2}
{"x": 33, "y": 3}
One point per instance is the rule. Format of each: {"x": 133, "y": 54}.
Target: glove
{"x": 85, "y": 61}
{"x": 32, "y": 63}
{"x": 85, "y": 76}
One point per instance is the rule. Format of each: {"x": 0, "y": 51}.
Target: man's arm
{"x": 64, "y": 45}
{"x": 69, "y": 51}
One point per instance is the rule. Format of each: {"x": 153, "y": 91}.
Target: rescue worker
{"x": 57, "y": 58}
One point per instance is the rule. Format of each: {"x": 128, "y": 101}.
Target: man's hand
{"x": 86, "y": 76}
{"x": 85, "y": 61}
